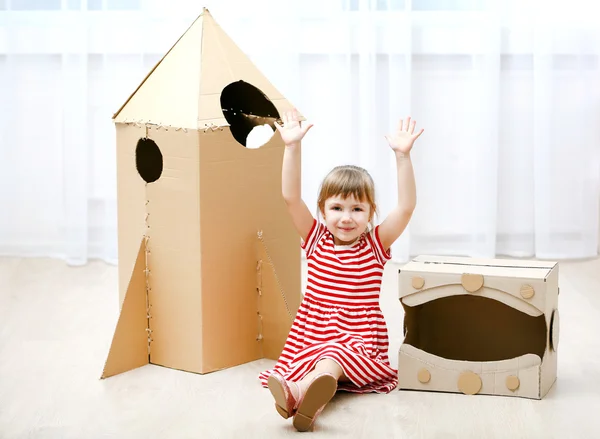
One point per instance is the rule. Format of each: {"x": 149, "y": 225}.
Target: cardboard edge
{"x": 477, "y": 262}
{"x": 428, "y": 295}
{"x": 129, "y": 348}
{"x": 116, "y": 114}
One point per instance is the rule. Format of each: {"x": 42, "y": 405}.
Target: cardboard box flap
{"x": 420, "y": 370}
{"x": 184, "y": 89}
{"x": 129, "y": 348}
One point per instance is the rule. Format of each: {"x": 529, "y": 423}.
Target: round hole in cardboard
{"x": 148, "y": 160}
{"x": 249, "y": 112}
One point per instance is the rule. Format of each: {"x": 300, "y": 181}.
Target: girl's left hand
{"x": 404, "y": 138}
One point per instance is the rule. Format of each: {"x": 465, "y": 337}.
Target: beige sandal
{"x": 285, "y": 402}
{"x": 319, "y": 392}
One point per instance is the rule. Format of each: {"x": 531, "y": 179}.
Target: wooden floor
{"x": 56, "y": 325}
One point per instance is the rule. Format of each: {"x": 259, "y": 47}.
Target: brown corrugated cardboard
{"x": 221, "y": 256}
{"x": 479, "y": 326}
{"x": 130, "y": 342}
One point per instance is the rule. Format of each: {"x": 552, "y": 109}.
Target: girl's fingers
{"x": 408, "y": 124}
{"x": 412, "y": 126}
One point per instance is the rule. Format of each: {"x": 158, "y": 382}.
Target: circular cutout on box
{"x": 554, "y": 330}
{"x": 250, "y": 114}
{"x": 148, "y": 160}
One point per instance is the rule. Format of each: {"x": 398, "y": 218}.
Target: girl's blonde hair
{"x": 345, "y": 181}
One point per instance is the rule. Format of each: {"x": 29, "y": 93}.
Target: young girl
{"x": 339, "y": 340}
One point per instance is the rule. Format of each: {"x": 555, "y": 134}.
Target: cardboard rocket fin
{"x": 276, "y": 307}
{"x": 129, "y": 348}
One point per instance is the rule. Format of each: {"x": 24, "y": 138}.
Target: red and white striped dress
{"x": 339, "y": 317}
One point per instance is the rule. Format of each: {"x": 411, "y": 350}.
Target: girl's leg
{"x": 315, "y": 391}
{"x": 280, "y": 388}
{"x": 323, "y": 366}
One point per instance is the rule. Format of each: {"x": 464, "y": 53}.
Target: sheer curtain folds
{"x": 508, "y": 93}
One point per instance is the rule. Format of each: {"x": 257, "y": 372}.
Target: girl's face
{"x": 346, "y": 218}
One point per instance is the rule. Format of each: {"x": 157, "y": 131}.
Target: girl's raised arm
{"x": 292, "y": 133}
{"x": 397, "y": 220}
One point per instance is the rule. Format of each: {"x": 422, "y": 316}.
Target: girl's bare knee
{"x": 330, "y": 366}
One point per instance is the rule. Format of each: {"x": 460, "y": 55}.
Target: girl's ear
{"x": 321, "y": 212}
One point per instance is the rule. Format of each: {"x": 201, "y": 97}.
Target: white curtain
{"x": 508, "y": 93}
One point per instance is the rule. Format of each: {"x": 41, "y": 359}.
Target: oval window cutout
{"x": 148, "y": 160}
{"x": 250, "y": 114}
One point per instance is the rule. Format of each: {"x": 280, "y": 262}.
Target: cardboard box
{"x": 479, "y": 326}
{"x": 209, "y": 261}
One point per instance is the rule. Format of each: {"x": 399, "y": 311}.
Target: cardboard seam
{"x": 526, "y": 267}
{"x": 415, "y": 272}
{"x": 148, "y": 124}
{"x": 211, "y": 126}
{"x": 143, "y": 123}
{"x": 287, "y": 307}
{"x": 259, "y": 337}
{"x": 147, "y": 270}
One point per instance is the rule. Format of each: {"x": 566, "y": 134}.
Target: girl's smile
{"x": 346, "y": 218}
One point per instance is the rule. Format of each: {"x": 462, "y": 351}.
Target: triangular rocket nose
{"x": 184, "y": 89}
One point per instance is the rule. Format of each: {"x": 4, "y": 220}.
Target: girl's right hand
{"x": 292, "y": 131}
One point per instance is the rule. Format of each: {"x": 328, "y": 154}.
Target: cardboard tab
{"x": 129, "y": 348}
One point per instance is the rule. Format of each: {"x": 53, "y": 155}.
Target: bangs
{"x": 346, "y": 186}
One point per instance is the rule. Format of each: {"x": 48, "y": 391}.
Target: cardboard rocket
{"x": 479, "y": 326}
{"x": 209, "y": 261}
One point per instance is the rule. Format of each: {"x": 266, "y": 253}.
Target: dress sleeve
{"x": 316, "y": 231}
{"x": 381, "y": 254}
